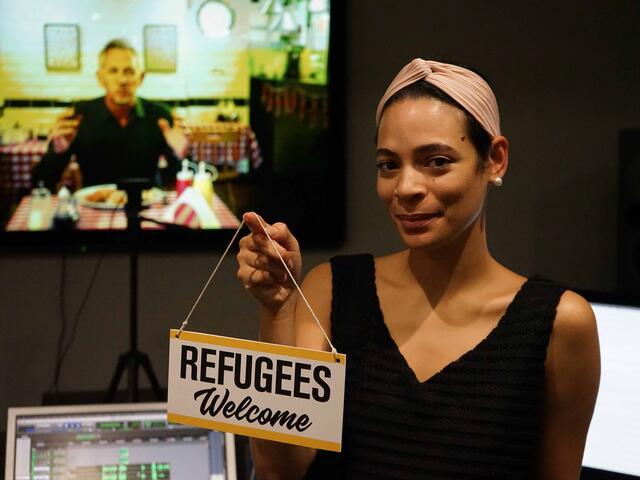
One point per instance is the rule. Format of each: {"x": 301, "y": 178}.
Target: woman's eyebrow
{"x": 426, "y": 149}
{"x": 435, "y": 148}
{"x": 386, "y": 152}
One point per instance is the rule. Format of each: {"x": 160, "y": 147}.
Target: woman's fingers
{"x": 281, "y": 241}
{"x": 261, "y": 269}
{"x": 261, "y": 257}
{"x": 254, "y": 277}
{"x": 279, "y": 232}
{"x": 254, "y": 222}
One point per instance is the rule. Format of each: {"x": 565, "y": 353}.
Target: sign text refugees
{"x": 257, "y": 389}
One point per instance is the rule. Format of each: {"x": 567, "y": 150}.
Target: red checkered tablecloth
{"x": 97, "y": 219}
{"x": 226, "y": 144}
{"x": 229, "y": 144}
{"x": 16, "y": 162}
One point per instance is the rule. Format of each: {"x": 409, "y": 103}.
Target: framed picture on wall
{"x": 160, "y": 48}
{"x": 62, "y": 47}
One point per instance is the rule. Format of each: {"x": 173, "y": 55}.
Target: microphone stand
{"x": 133, "y": 359}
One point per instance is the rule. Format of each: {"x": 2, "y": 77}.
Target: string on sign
{"x": 215, "y": 270}
{"x": 284, "y": 264}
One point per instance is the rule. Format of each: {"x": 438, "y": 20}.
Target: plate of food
{"x": 108, "y": 197}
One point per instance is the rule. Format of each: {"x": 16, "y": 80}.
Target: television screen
{"x": 612, "y": 442}
{"x": 197, "y": 110}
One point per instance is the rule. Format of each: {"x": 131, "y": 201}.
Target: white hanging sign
{"x": 274, "y": 392}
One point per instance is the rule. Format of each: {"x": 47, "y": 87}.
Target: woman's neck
{"x": 463, "y": 263}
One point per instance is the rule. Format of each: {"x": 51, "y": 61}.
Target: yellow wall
{"x": 206, "y": 68}
{"x": 209, "y": 68}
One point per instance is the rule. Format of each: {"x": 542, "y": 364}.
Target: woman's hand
{"x": 261, "y": 270}
{"x": 262, "y": 273}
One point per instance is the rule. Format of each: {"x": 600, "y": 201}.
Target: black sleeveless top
{"x": 478, "y": 418}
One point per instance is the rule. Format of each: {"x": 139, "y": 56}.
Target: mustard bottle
{"x": 203, "y": 182}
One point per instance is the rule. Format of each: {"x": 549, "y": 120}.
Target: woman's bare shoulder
{"x": 319, "y": 276}
{"x": 575, "y": 321}
{"x": 316, "y": 288}
{"x": 506, "y": 279}
{"x": 572, "y": 377}
{"x": 388, "y": 267}
{"x": 574, "y": 344}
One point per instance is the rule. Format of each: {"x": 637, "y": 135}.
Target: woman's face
{"x": 428, "y": 175}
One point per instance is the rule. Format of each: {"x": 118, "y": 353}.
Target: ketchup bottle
{"x": 184, "y": 178}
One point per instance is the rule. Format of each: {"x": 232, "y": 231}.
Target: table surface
{"x": 115, "y": 219}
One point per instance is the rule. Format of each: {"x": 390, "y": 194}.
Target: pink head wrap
{"x": 464, "y": 86}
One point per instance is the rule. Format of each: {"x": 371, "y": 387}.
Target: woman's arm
{"x": 284, "y": 319}
{"x": 572, "y": 371}
{"x": 281, "y": 461}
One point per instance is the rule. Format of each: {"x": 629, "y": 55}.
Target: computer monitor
{"x": 113, "y": 442}
{"x": 612, "y": 443}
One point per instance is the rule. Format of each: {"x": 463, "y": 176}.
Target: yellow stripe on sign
{"x": 254, "y": 432}
{"x": 273, "y": 348}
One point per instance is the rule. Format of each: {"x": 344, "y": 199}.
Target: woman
{"x": 457, "y": 367}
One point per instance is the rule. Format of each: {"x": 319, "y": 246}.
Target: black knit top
{"x": 478, "y": 418}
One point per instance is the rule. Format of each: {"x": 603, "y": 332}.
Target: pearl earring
{"x": 497, "y": 181}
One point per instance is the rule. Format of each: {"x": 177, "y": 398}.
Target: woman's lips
{"x": 416, "y": 221}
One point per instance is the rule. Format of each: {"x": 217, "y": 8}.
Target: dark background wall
{"x": 567, "y": 78}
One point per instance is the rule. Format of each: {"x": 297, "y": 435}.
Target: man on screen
{"x": 116, "y": 136}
